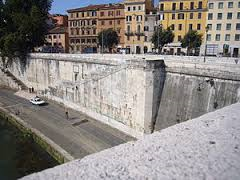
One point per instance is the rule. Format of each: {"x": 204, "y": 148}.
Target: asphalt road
{"x": 79, "y": 136}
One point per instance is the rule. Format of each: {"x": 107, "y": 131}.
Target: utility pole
{"x": 102, "y": 40}
{"x": 205, "y": 52}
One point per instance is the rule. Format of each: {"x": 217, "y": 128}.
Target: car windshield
{"x": 38, "y": 99}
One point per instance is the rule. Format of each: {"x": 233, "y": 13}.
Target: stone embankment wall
{"x": 136, "y": 94}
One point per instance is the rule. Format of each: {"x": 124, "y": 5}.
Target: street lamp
{"x": 205, "y": 52}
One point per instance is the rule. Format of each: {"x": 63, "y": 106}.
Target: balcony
{"x": 129, "y": 33}
{"x": 139, "y": 33}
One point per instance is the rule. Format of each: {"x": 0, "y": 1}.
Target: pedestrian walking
{"x": 66, "y": 114}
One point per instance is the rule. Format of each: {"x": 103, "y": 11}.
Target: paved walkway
{"x": 79, "y": 136}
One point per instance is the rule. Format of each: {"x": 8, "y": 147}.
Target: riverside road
{"x": 79, "y": 136}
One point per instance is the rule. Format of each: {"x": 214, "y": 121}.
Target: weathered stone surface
{"x": 136, "y": 94}
{"x": 204, "y": 148}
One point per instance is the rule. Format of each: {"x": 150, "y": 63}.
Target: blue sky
{"x": 60, "y": 6}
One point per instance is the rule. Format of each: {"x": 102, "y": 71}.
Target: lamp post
{"x": 205, "y": 51}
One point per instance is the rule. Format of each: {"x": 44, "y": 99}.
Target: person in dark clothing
{"x": 66, "y": 114}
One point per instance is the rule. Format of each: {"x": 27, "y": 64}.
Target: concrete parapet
{"x": 204, "y": 148}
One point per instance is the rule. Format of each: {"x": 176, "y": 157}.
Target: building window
{"x": 219, "y": 16}
{"x": 217, "y": 38}
{"x": 209, "y": 37}
{"x": 54, "y": 37}
{"x": 146, "y": 39}
{"x": 83, "y": 41}
{"x": 77, "y": 15}
{"x": 239, "y": 4}
{"x": 229, "y": 15}
{"x": 129, "y": 18}
{"x": 138, "y": 38}
{"x": 101, "y": 14}
{"x": 128, "y": 28}
{"x": 180, "y": 27}
{"x": 138, "y": 28}
{"x": 83, "y": 14}
{"x": 210, "y": 6}
{"x": 200, "y": 5}
{"x": 219, "y": 27}
{"x": 228, "y": 26}
{"x": 198, "y": 26}
{"x": 139, "y": 18}
{"x": 173, "y": 16}
{"x": 94, "y": 22}
{"x": 134, "y": 8}
{"x": 180, "y": 16}
{"x": 110, "y": 13}
{"x": 71, "y": 15}
{"x": 110, "y": 22}
{"x": 88, "y": 14}
{"x": 173, "y": 6}
{"x": 128, "y": 38}
{"x": 161, "y": 7}
{"x": 94, "y": 31}
{"x": 102, "y": 23}
{"x": 118, "y": 13}
{"x": 173, "y": 27}
{"x": 209, "y": 27}
{"x": 191, "y": 16}
{"x": 139, "y": 8}
{"x": 227, "y": 37}
{"x": 179, "y": 38}
{"x": 199, "y": 15}
{"x": 210, "y": 16}
{"x": 237, "y": 37}
{"x": 220, "y": 5}
{"x": 192, "y": 5}
{"x": 238, "y": 26}
{"x": 230, "y": 4}
{"x": 129, "y": 8}
{"x": 181, "y": 6}
{"x": 190, "y": 27}
{"x": 146, "y": 28}
{"x": 118, "y": 22}
{"x": 238, "y": 15}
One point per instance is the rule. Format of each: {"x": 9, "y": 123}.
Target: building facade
{"x": 57, "y": 40}
{"x": 135, "y": 11}
{"x": 85, "y": 23}
{"x": 151, "y": 23}
{"x": 182, "y": 16}
{"x": 82, "y": 24}
{"x": 223, "y": 22}
{"x": 112, "y": 16}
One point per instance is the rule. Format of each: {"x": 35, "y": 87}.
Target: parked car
{"x": 37, "y": 101}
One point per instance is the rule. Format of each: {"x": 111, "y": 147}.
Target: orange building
{"x": 85, "y": 23}
{"x": 58, "y": 38}
{"x": 112, "y": 16}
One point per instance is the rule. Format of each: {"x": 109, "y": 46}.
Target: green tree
{"x": 23, "y": 26}
{"x": 108, "y": 39}
{"x": 192, "y": 40}
{"x": 161, "y": 37}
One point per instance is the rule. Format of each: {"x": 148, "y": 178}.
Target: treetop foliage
{"x": 161, "y": 37}
{"x": 192, "y": 40}
{"x": 108, "y": 38}
{"x": 22, "y": 26}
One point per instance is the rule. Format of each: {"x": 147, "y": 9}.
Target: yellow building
{"x": 135, "y": 11}
{"x": 182, "y": 16}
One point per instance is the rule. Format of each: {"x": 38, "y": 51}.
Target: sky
{"x": 61, "y": 6}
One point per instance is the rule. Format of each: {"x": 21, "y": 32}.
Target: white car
{"x": 37, "y": 101}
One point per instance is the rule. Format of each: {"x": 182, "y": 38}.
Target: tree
{"x": 161, "y": 37}
{"x": 23, "y": 26}
{"x": 192, "y": 40}
{"x": 108, "y": 39}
